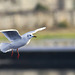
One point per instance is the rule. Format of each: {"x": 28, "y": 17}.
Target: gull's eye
{"x": 29, "y": 35}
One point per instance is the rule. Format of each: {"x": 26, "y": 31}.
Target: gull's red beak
{"x": 35, "y": 36}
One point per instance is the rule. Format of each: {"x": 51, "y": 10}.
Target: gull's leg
{"x": 12, "y": 53}
{"x": 18, "y": 54}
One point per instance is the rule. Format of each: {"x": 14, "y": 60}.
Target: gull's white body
{"x": 17, "y": 41}
{"x": 14, "y": 45}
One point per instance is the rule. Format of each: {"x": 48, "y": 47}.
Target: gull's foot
{"x": 18, "y": 56}
{"x": 12, "y": 53}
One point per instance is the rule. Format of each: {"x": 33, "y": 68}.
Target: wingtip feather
{"x": 44, "y": 27}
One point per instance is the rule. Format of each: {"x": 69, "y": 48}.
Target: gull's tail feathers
{"x": 5, "y": 47}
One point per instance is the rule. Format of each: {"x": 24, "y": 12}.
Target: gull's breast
{"x": 19, "y": 43}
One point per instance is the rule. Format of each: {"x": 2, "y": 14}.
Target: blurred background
{"x": 53, "y": 51}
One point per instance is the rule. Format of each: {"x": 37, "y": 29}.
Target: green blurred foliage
{"x": 63, "y": 24}
{"x": 40, "y": 7}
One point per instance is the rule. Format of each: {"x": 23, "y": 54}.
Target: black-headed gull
{"x": 16, "y": 39}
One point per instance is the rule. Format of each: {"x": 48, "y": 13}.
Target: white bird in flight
{"x": 16, "y": 39}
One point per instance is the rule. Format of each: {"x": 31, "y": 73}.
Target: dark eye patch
{"x": 28, "y": 35}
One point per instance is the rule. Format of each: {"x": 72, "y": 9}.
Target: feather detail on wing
{"x": 32, "y": 32}
{"x": 11, "y": 34}
{"x": 40, "y": 29}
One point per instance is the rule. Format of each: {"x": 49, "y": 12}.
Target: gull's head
{"x": 29, "y": 36}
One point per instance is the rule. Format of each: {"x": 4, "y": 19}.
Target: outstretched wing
{"x": 11, "y": 34}
{"x": 40, "y": 29}
{"x": 32, "y": 32}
